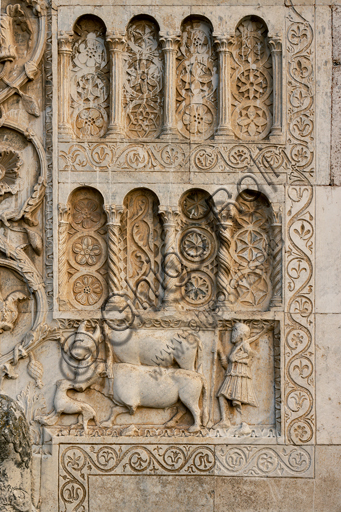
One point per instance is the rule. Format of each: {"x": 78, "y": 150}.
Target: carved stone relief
{"x": 89, "y": 79}
{"x": 197, "y": 81}
{"x": 143, "y": 83}
{"x": 251, "y": 81}
{"x": 157, "y": 331}
{"x": 82, "y": 251}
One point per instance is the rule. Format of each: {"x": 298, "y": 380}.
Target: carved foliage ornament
{"x": 143, "y": 97}
{"x": 90, "y": 80}
{"x": 197, "y": 81}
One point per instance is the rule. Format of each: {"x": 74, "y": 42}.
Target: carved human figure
{"x": 237, "y": 386}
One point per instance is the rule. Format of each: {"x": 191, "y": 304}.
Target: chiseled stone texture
{"x": 170, "y": 268}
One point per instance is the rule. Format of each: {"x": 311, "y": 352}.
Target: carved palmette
{"x": 251, "y": 81}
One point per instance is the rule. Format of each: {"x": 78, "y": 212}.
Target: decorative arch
{"x": 251, "y": 80}
{"x": 89, "y": 80}
{"x": 141, "y": 248}
{"x": 196, "y": 80}
{"x": 82, "y": 251}
{"x": 143, "y": 79}
{"x": 197, "y": 247}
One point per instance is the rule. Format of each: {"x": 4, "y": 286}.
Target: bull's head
{"x": 85, "y": 344}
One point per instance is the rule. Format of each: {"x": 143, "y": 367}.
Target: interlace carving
{"x": 143, "y": 97}
{"x": 251, "y": 81}
{"x": 197, "y": 81}
{"x": 90, "y": 80}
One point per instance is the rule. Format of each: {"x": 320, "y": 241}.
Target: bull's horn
{"x": 82, "y": 327}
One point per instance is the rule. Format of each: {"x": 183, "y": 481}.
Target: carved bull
{"x": 186, "y": 350}
{"x": 136, "y": 386}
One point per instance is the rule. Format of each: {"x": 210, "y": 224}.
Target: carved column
{"x": 277, "y": 118}
{"x": 169, "y": 47}
{"x": 65, "y": 50}
{"x": 114, "y": 214}
{"x": 276, "y": 250}
{"x": 224, "y": 130}
{"x": 225, "y": 227}
{"x": 63, "y": 227}
{"x": 116, "y": 45}
{"x": 171, "y": 266}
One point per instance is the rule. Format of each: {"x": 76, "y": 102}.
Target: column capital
{"x": 115, "y": 42}
{"x": 275, "y": 44}
{"x": 169, "y": 214}
{"x": 114, "y": 213}
{"x": 223, "y": 42}
{"x": 276, "y": 217}
{"x": 170, "y": 42}
{"x": 65, "y": 40}
{"x": 64, "y": 213}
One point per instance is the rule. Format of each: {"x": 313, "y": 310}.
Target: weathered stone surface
{"x": 169, "y": 254}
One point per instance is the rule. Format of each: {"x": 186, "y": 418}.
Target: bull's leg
{"x": 115, "y": 411}
{"x": 174, "y": 420}
{"x": 189, "y": 395}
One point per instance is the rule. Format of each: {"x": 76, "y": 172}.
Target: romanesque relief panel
{"x": 196, "y": 81}
{"x": 251, "y": 81}
{"x": 82, "y": 251}
{"x": 143, "y": 84}
{"x": 89, "y": 79}
{"x": 198, "y": 248}
{"x": 141, "y": 248}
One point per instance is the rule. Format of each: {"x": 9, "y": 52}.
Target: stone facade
{"x": 169, "y": 270}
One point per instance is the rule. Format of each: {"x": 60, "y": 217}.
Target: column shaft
{"x": 116, "y": 45}
{"x": 170, "y": 46}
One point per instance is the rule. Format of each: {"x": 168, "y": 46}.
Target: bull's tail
{"x": 204, "y": 401}
{"x": 199, "y": 355}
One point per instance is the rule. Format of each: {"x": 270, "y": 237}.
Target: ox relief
{"x": 170, "y": 382}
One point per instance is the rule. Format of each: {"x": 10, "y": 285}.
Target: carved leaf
{"x": 30, "y": 104}
{"x": 35, "y": 241}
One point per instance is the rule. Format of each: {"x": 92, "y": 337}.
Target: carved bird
{"x": 9, "y": 310}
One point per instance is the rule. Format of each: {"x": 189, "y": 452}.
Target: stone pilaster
{"x": 65, "y": 41}
{"x": 116, "y": 46}
{"x": 171, "y": 266}
{"x": 224, "y": 130}
{"x": 63, "y": 227}
{"x": 169, "y": 46}
{"x": 277, "y": 119}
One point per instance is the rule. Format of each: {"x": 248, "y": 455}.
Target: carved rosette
{"x": 196, "y": 81}
{"x": 251, "y": 80}
{"x": 89, "y": 79}
{"x": 143, "y": 84}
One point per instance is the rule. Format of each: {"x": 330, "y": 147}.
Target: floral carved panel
{"x": 251, "y": 81}
{"x": 82, "y": 251}
{"x": 197, "y": 81}
{"x": 143, "y": 98}
{"x": 89, "y": 80}
{"x": 198, "y": 248}
{"x": 141, "y": 240}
